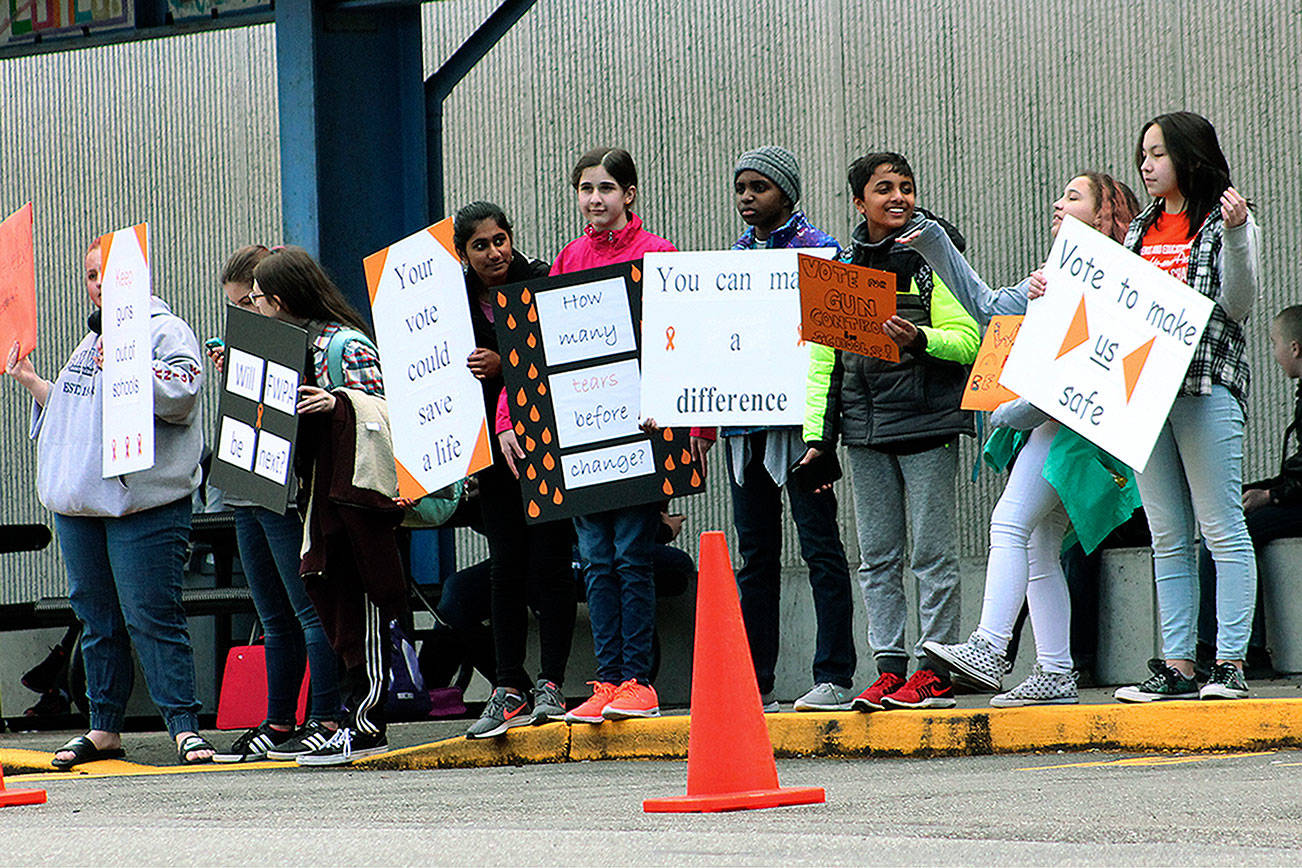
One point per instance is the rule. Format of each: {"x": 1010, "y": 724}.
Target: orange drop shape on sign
{"x": 667, "y": 488}
{"x": 549, "y": 462}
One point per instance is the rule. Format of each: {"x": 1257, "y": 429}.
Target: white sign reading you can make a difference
{"x": 721, "y": 341}
{"x": 1105, "y": 350}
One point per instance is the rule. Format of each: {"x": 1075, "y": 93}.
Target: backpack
{"x": 408, "y": 699}
{"x": 433, "y": 509}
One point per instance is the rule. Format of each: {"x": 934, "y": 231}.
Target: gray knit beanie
{"x": 777, "y": 164}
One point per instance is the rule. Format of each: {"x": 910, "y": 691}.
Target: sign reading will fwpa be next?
{"x": 1105, "y": 350}
{"x": 422, "y": 324}
{"x": 128, "y": 382}
{"x": 721, "y": 340}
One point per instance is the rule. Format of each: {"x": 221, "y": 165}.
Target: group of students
{"x": 123, "y": 539}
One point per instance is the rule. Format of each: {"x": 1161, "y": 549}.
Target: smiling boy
{"x": 900, "y": 422}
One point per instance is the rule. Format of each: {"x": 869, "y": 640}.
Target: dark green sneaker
{"x": 1166, "y": 683}
{"x": 1226, "y": 682}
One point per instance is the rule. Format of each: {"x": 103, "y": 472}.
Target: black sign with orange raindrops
{"x": 563, "y": 474}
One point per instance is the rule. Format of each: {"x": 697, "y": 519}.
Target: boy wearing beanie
{"x": 766, "y": 183}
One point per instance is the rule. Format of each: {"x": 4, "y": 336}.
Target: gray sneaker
{"x": 770, "y": 702}
{"x": 1040, "y": 688}
{"x": 548, "y": 704}
{"x": 825, "y": 697}
{"x": 974, "y": 662}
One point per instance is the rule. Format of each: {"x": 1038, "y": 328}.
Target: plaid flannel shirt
{"x": 361, "y": 364}
{"x": 1221, "y": 356}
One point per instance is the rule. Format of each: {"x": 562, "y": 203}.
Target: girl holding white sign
{"x": 124, "y": 539}
{"x": 1059, "y": 478}
{"x": 527, "y": 561}
{"x": 1199, "y": 229}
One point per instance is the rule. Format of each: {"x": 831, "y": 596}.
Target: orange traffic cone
{"x": 19, "y": 797}
{"x": 730, "y": 762}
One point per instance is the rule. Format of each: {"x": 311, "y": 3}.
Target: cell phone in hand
{"x": 820, "y": 471}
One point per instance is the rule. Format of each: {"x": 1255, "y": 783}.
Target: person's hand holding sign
{"x": 1037, "y": 286}
{"x": 905, "y": 334}
{"x": 484, "y": 363}
{"x": 24, "y": 372}
{"x": 314, "y": 400}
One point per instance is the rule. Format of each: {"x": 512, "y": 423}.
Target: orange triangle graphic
{"x": 105, "y": 244}
{"x": 442, "y": 232}
{"x": 482, "y": 456}
{"x": 1133, "y": 365}
{"x": 1077, "y": 333}
{"x": 142, "y": 235}
{"x": 407, "y": 485}
{"x": 374, "y": 266}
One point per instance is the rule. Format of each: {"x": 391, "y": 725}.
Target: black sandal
{"x": 84, "y": 751}
{"x": 191, "y": 744}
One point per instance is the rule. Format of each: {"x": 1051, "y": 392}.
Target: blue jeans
{"x": 124, "y": 582}
{"x": 757, "y": 515}
{"x": 269, "y": 545}
{"x": 618, "y": 547}
{"x": 1193, "y": 482}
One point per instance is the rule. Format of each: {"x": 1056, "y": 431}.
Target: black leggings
{"x": 531, "y": 563}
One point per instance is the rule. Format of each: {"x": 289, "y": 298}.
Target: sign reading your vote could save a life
{"x": 721, "y": 339}
{"x": 1105, "y": 349}
{"x": 422, "y": 324}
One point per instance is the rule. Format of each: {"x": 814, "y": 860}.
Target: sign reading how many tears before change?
{"x": 128, "y": 383}
{"x": 1105, "y": 350}
{"x": 257, "y": 429}
{"x": 570, "y": 361}
{"x": 422, "y": 324}
{"x": 721, "y": 340}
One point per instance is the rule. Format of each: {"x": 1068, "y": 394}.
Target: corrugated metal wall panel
{"x": 192, "y": 148}
{"x": 995, "y": 104}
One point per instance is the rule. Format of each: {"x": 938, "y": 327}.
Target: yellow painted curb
{"x": 1239, "y": 725}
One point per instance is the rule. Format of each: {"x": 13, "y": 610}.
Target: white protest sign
{"x": 597, "y": 403}
{"x": 128, "y": 381}
{"x": 721, "y": 340}
{"x": 1105, "y": 350}
{"x": 608, "y": 464}
{"x": 586, "y": 322}
{"x": 422, "y": 324}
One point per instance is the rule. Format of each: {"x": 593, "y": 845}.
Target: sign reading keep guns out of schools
{"x": 128, "y": 381}
{"x": 1105, "y": 349}
{"x": 721, "y": 339}
{"x": 570, "y": 361}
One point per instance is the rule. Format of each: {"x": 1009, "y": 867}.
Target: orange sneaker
{"x": 632, "y": 699}
{"x": 590, "y": 710}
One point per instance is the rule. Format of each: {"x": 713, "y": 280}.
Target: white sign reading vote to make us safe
{"x": 1105, "y": 349}
{"x": 128, "y": 381}
{"x": 721, "y": 340}
{"x": 422, "y": 323}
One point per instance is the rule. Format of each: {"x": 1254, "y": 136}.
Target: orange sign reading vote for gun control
{"x": 844, "y": 306}
{"x": 17, "y": 285}
{"x": 983, "y": 391}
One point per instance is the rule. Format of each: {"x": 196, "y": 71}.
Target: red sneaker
{"x": 591, "y": 709}
{"x": 924, "y": 689}
{"x": 632, "y": 699}
{"x": 871, "y": 699}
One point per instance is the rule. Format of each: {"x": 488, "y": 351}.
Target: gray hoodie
{"x": 69, "y": 429}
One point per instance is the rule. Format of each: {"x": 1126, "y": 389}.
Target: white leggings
{"x": 1026, "y": 532}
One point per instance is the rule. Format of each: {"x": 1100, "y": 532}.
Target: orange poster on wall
{"x": 983, "y": 391}
{"x": 17, "y": 285}
{"x": 844, "y": 306}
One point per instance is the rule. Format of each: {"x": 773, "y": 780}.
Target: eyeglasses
{"x": 249, "y": 297}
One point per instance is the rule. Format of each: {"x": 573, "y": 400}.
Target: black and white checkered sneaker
{"x": 1040, "y": 688}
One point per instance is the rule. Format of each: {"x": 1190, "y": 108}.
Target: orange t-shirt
{"x": 1166, "y": 244}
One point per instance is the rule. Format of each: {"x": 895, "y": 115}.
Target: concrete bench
{"x": 1279, "y": 567}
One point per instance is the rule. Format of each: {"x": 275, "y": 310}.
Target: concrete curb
{"x": 1239, "y": 725}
